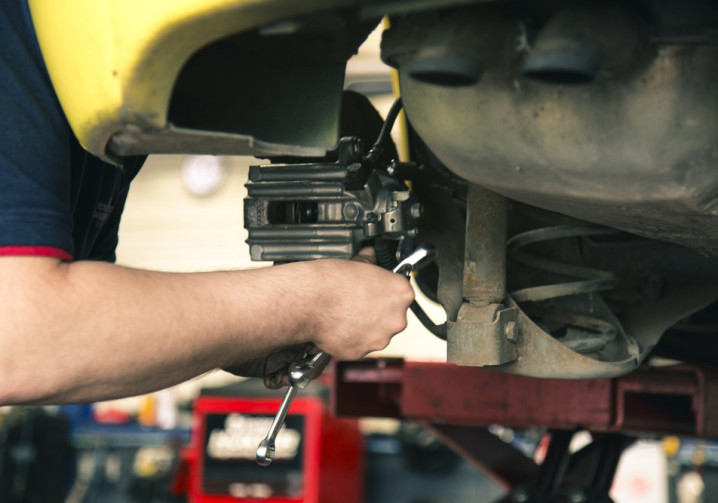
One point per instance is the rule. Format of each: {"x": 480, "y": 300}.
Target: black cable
{"x": 437, "y": 330}
{"x": 384, "y": 252}
{"x": 389, "y": 122}
{"x": 376, "y": 150}
{"x": 385, "y": 258}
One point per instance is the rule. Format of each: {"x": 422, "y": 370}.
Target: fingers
{"x": 276, "y": 380}
{"x": 280, "y": 377}
{"x": 361, "y": 308}
{"x": 346, "y": 308}
{"x": 278, "y": 363}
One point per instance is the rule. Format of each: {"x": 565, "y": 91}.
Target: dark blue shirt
{"x": 53, "y": 194}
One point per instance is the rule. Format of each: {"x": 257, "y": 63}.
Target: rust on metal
{"x": 485, "y": 253}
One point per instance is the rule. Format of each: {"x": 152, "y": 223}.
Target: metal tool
{"x": 419, "y": 258}
{"x": 301, "y": 373}
{"x": 265, "y": 451}
{"x": 304, "y": 371}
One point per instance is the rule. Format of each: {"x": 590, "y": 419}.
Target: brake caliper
{"x": 326, "y": 210}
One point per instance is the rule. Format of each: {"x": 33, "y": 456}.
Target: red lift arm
{"x": 458, "y": 402}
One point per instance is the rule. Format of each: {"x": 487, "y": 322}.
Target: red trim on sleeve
{"x": 35, "y": 251}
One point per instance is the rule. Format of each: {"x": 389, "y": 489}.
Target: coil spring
{"x": 591, "y": 280}
{"x": 596, "y": 333}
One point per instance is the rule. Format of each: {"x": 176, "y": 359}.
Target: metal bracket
{"x": 483, "y": 335}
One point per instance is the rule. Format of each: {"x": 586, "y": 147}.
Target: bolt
{"x": 511, "y": 331}
{"x": 413, "y": 232}
{"x": 355, "y": 171}
{"x": 417, "y": 210}
{"x": 351, "y": 211}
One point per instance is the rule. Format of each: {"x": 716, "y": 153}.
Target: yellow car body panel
{"x": 113, "y": 63}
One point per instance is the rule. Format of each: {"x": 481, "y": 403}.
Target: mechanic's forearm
{"x": 87, "y": 330}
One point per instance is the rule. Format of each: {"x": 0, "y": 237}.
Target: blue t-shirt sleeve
{"x": 35, "y": 176}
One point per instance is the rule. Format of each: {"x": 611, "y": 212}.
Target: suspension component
{"x": 589, "y": 280}
{"x": 562, "y": 329}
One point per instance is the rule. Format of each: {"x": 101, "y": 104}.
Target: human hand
{"x": 274, "y": 368}
{"x": 347, "y": 308}
{"x": 360, "y": 308}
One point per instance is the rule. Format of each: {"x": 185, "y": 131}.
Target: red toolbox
{"x": 318, "y": 457}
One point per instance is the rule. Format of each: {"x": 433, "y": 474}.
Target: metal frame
{"x": 679, "y": 399}
{"x": 458, "y": 403}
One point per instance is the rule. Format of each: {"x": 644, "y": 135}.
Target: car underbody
{"x": 563, "y": 154}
